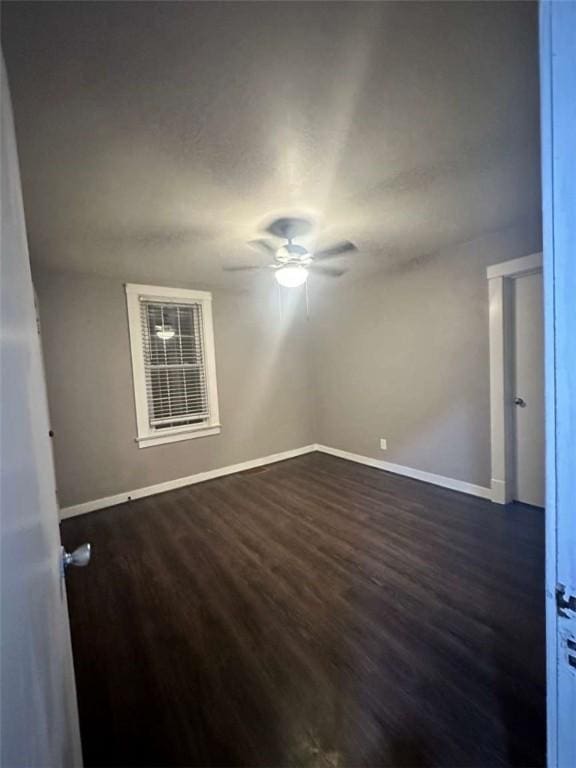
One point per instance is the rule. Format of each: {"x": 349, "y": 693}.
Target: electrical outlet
{"x": 383, "y": 444}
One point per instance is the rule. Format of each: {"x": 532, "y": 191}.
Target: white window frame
{"x": 148, "y": 435}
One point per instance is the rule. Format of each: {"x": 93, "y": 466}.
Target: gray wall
{"x": 263, "y": 383}
{"x": 401, "y": 355}
{"x": 404, "y": 356}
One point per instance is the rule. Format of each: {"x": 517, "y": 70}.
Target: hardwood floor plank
{"x": 313, "y": 613}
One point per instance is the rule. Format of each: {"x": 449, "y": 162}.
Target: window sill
{"x": 174, "y": 437}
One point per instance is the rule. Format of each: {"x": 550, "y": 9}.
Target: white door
{"x": 39, "y": 721}
{"x": 558, "y": 108}
{"x": 529, "y": 388}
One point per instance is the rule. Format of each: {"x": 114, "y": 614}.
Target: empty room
{"x": 286, "y": 363}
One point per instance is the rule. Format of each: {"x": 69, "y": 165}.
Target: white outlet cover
{"x": 383, "y": 444}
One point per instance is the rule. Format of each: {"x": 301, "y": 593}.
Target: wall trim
{"x": 415, "y": 474}
{"x": 498, "y": 492}
{"x": 524, "y": 265}
{"x": 181, "y": 482}
{"x": 211, "y": 474}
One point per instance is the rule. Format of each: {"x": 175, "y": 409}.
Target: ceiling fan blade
{"x": 239, "y": 268}
{"x": 338, "y": 249}
{"x": 327, "y": 271}
{"x": 264, "y": 245}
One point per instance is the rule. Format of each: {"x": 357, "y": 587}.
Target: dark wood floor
{"x": 317, "y": 613}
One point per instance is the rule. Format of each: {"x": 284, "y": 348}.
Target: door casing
{"x": 500, "y": 277}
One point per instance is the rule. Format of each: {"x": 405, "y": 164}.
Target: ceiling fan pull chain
{"x": 279, "y": 292}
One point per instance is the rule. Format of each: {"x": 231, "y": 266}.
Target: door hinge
{"x": 565, "y": 604}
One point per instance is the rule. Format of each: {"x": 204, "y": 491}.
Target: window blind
{"x": 174, "y": 363}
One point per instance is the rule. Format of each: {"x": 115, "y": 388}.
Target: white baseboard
{"x": 200, "y": 477}
{"x": 415, "y": 474}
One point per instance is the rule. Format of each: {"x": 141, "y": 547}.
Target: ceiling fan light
{"x": 291, "y": 276}
{"x": 164, "y": 332}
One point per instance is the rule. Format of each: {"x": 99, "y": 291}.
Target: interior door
{"x": 529, "y": 388}
{"x": 39, "y": 721}
{"x": 558, "y": 109}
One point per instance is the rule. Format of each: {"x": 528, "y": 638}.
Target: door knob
{"x": 519, "y": 401}
{"x": 80, "y": 557}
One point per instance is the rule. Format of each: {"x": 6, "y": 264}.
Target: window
{"x": 173, "y": 365}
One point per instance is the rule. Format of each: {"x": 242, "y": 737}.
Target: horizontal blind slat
{"x": 177, "y": 420}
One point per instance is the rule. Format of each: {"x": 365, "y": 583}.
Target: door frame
{"x": 500, "y": 283}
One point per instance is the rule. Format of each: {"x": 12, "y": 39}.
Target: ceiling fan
{"x": 292, "y": 262}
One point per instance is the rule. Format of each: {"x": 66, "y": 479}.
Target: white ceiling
{"x": 155, "y": 138}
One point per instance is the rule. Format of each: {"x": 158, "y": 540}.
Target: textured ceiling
{"x": 156, "y": 138}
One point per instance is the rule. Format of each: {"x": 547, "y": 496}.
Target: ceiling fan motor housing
{"x": 292, "y": 252}
{"x": 293, "y": 255}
